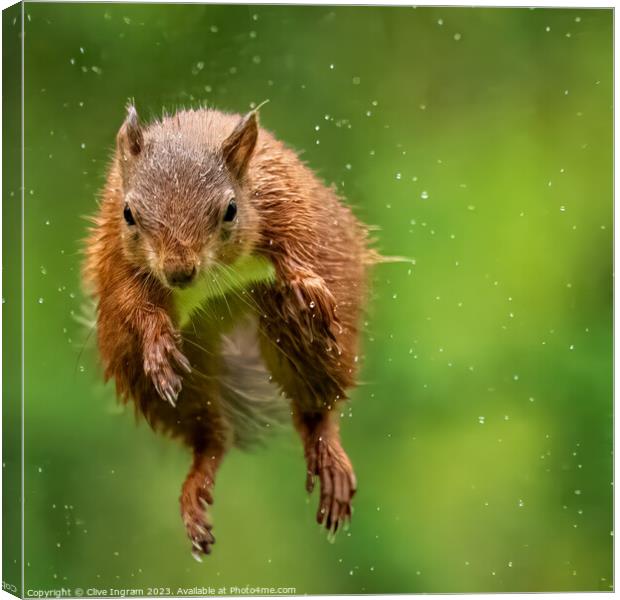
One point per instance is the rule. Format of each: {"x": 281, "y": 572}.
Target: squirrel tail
{"x": 373, "y": 257}
{"x": 250, "y": 401}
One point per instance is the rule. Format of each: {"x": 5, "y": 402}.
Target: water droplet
{"x": 199, "y": 66}
{"x": 424, "y": 195}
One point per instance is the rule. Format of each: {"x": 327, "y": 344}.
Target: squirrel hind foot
{"x": 328, "y": 460}
{"x": 196, "y": 497}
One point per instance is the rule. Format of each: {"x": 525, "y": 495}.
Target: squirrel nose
{"x": 180, "y": 276}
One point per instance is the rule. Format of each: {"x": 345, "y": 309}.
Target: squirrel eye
{"x": 128, "y": 215}
{"x": 231, "y": 211}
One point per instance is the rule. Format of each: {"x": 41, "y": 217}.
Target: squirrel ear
{"x": 238, "y": 146}
{"x": 129, "y": 139}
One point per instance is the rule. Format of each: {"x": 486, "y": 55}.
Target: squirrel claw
{"x": 202, "y": 544}
{"x": 168, "y": 386}
{"x": 197, "y": 556}
{"x": 180, "y": 359}
{"x": 168, "y": 394}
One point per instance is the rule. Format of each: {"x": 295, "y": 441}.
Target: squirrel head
{"x": 187, "y": 205}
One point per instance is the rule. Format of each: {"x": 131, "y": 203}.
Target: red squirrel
{"x": 219, "y": 262}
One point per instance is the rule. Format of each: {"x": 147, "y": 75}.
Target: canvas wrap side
{"x": 12, "y": 300}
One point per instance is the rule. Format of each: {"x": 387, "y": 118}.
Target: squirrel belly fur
{"x": 229, "y": 283}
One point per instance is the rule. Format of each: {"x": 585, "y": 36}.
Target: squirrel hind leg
{"x": 316, "y": 421}
{"x": 327, "y": 461}
{"x": 197, "y": 496}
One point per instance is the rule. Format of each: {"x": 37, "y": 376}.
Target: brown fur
{"x": 177, "y": 176}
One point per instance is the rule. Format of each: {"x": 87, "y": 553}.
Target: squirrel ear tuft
{"x": 238, "y": 147}
{"x": 130, "y": 139}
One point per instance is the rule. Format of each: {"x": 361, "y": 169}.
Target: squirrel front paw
{"x": 315, "y": 305}
{"x": 160, "y": 353}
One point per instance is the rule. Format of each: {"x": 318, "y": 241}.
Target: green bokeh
{"x": 479, "y": 141}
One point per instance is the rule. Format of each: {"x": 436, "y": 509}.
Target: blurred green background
{"x": 479, "y": 141}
